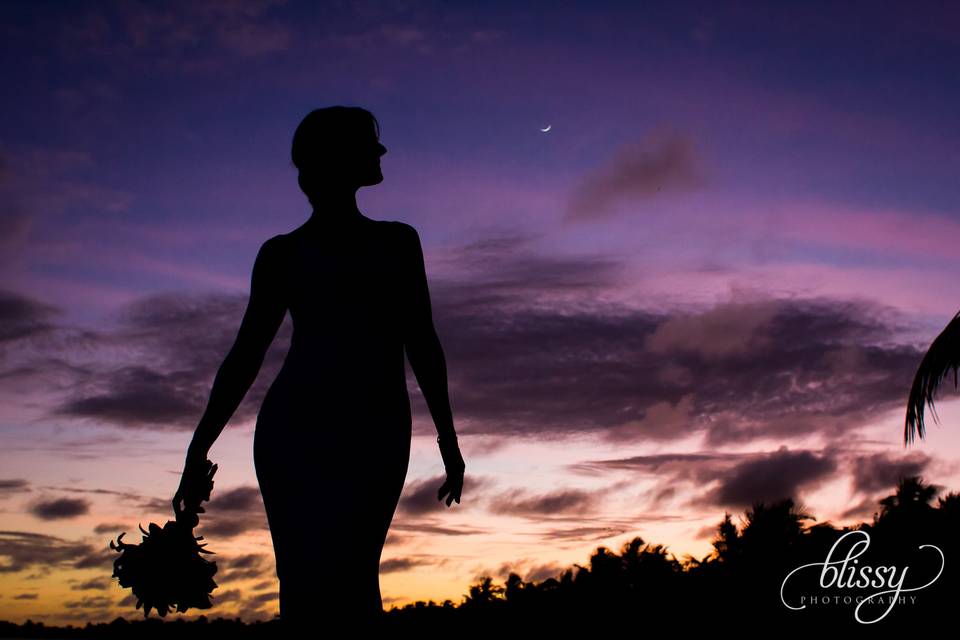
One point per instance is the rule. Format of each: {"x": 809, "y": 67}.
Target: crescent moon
{"x": 547, "y": 129}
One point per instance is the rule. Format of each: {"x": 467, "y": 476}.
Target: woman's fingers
{"x": 453, "y": 486}
{"x": 444, "y": 490}
{"x": 189, "y": 492}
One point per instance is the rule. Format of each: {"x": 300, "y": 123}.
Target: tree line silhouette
{"x": 737, "y": 585}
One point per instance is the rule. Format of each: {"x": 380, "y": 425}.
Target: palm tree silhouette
{"x": 910, "y": 505}
{"x": 484, "y": 592}
{"x": 727, "y": 543}
{"x": 942, "y": 355}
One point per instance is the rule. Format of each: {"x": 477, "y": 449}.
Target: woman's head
{"x": 337, "y": 148}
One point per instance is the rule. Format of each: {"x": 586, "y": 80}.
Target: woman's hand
{"x": 195, "y": 485}
{"x": 455, "y": 466}
{"x": 454, "y": 485}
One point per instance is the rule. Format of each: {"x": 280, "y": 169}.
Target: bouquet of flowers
{"x": 166, "y": 570}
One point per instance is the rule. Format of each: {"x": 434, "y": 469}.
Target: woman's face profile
{"x": 368, "y": 158}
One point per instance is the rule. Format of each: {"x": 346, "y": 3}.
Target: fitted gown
{"x": 332, "y": 439}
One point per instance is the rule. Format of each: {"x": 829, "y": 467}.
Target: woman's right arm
{"x": 265, "y": 312}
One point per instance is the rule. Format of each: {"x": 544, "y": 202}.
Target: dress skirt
{"x": 331, "y": 473}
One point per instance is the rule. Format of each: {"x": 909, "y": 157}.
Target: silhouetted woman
{"x": 332, "y": 440}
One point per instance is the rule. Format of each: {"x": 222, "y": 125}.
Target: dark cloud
{"x": 129, "y": 601}
{"x": 97, "y": 558}
{"x": 264, "y": 597}
{"x": 507, "y": 271}
{"x": 418, "y": 527}
{"x": 26, "y": 596}
{"x": 135, "y": 393}
{"x": 245, "y": 567}
{"x": 13, "y": 486}
{"x": 89, "y": 602}
{"x": 769, "y": 477}
{"x": 22, "y": 316}
{"x": 253, "y": 608}
{"x": 241, "y": 499}
{"x": 659, "y": 463}
{"x": 230, "y": 595}
{"x": 181, "y": 341}
{"x": 732, "y": 480}
{"x": 395, "y": 540}
{"x": 233, "y": 512}
{"x": 60, "y": 508}
{"x": 736, "y": 371}
{"x": 664, "y": 162}
{"x": 882, "y": 471}
{"x": 662, "y": 495}
{"x": 25, "y": 550}
{"x": 40, "y": 374}
{"x": 583, "y": 534}
{"x": 398, "y": 565}
{"x": 533, "y": 351}
{"x": 127, "y": 496}
{"x": 99, "y": 584}
{"x": 523, "y": 503}
{"x": 231, "y": 526}
{"x": 110, "y": 527}
{"x": 156, "y": 505}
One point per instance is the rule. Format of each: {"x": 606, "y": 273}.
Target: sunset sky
{"x": 709, "y": 283}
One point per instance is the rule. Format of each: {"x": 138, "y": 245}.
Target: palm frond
{"x": 943, "y": 355}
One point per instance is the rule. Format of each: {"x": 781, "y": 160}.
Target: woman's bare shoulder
{"x": 275, "y": 245}
{"x": 275, "y": 251}
{"x": 403, "y": 230}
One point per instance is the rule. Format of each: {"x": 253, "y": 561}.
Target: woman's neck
{"x": 335, "y": 208}
{"x": 334, "y": 216}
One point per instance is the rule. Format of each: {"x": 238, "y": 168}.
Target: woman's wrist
{"x": 197, "y": 451}
{"x": 450, "y": 452}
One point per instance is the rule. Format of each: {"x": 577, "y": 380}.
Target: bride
{"x": 332, "y": 439}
